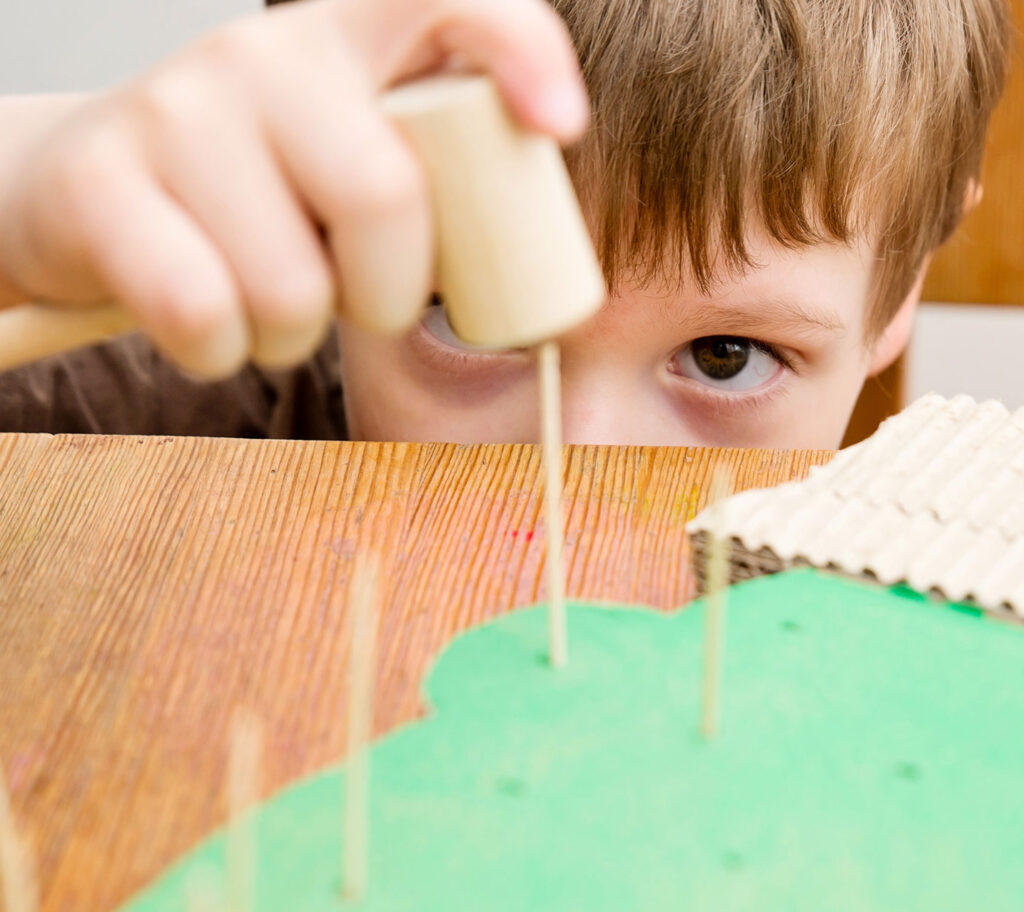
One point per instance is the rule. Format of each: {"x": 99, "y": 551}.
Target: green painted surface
{"x": 871, "y": 757}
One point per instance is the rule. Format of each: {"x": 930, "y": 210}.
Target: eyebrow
{"x": 772, "y": 315}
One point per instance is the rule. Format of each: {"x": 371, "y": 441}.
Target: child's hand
{"x": 233, "y": 196}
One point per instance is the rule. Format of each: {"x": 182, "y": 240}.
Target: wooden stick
{"x": 35, "y": 331}
{"x": 203, "y": 891}
{"x": 716, "y": 583}
{"x": 551, "y": 454}
{"x": 363, "y": 599}
{"x": 243, "y": 792}
{"x": 21, "y": 891}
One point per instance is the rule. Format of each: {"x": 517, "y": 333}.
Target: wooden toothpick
{"x": 243, "y": 792}
{"x": 551, "y": 454}
{"x": 716, "y": 583}
{"x": 21, "y": 891}
{"x": 362, "y": 604}
{"x": 203, "y": 891}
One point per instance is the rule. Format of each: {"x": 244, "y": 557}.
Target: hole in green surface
{"x": 512, "y": 786}
{"x": 909, "y": 772}
{"x": 732, "y": 860}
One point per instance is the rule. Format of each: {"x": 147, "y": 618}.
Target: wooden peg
{"x": 20, "y": 889}
{"x": 204, "y": 890}
{"x": 515, "y": 264}
{"x": 716, "y": 584}
{"x": 35, "y": 331}
{"x": 554, "y": 518}
{"x": 243, "y": 793}
{"x": 363, "y": 601}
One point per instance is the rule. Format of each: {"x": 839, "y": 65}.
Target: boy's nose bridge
{"x": 612, "y": 408}
{"x": 583, "y": 424}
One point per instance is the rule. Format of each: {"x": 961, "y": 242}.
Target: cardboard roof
{"x": 935, "y": 500}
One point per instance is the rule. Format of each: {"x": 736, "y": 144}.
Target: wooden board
{"x": 150, "y": 585}
{"x": 984, "y": 263}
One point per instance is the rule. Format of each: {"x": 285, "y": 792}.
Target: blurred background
{"x": 969, "y": 337}
{"x": 76, "y": 45}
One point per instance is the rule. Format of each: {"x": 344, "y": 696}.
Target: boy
{"x": 765, "y": 181}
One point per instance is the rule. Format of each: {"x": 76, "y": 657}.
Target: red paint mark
{"x": 528, "y": 535}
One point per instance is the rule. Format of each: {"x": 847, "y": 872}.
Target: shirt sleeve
{"x": 126, "y": 387}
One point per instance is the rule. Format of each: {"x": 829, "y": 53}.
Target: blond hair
{"x": 822, "y": 119}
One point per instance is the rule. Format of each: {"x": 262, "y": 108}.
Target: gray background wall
{"x": 63, "y": 45}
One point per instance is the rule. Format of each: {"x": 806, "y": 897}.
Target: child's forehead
{"x": 773, "y": 268}
{"x": 814, "y": 288}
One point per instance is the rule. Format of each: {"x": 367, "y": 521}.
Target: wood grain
{"x": 150, "y": 586}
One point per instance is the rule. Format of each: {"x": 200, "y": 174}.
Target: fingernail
{"x": 286, "y": 347}
{"x": 565, "y": 110}
{"x": 219, "y": 354}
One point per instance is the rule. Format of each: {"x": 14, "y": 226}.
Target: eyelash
{"x": 740, "y": 403}
{"x": 765, "y": 348}
{"x": 752, "y": 401}
{"x": 772, "y": 352}
{"x": 457, "y": 361}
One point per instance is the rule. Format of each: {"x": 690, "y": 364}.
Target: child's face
{"x": 773, "y": 358}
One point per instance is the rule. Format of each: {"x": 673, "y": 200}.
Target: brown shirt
{"x": 125, "y": 387}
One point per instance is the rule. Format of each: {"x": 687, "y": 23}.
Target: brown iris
{"x": 720, "y": 357}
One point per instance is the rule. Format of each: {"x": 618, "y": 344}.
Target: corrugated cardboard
{"x": 935, "y": 500}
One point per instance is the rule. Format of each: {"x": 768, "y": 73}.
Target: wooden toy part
{"x": 34, "y": 331}
{"x": 364, "y": 607}
{"x": 715, "y": 599}
{"x": 515, "y": 263}
{"x": 18, "y": 885}
{"x": 550, "y": 376}
{"x": 243, "y": 786}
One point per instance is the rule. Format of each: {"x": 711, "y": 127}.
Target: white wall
{"x": 974, "y": 350}
{"x": 65, "y": 45}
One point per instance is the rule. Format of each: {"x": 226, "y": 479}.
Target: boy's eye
{"x": 435, "y": 321}
{"x": 727, "y": 362}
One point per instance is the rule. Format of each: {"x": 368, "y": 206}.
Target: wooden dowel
{"x": 363, "y": 602}
{"x": 203, "y": 891}
{"x": 554, "y": 519}
{"x": 717, "y": 581}
{"x": 34, "y": 331}
{"x": 243, "y": 792}
{"x": 21, "y": 891}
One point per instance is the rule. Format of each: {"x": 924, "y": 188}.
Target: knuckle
{"x": 181, "y": 97}
{"x": 458, "y": 11}
{"x": 82, "y": 173}
{"x": 385, "y": 186}
{"x": 191, "y": 314}
{"x": 291, "y": 298}
{"x": 243, "y": 44}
